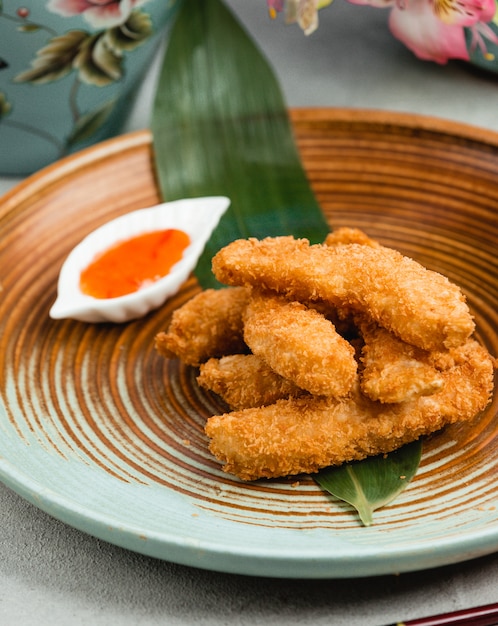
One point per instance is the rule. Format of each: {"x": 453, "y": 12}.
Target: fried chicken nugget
{"x": 244, "y": 381}
{"x": 420, "y": 306}
{"x": 299, "y": 344}
{"x": 395, "y": 371}
{"x": 346, "y": 235}
{"x": 208, "y": 325}
{"x": 304, "y": 435}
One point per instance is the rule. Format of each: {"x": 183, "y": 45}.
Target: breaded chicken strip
{"x": 306, "y": 434}
{"x": 346, "y": 235}
{"x": 208, "y": 325}
{"x": 420, "y": 306}
{"x": 395, "y": 371}
{"x": 341, "y": 318}
{"x": 299, "y": 344}
{"x": 244, "y": 381}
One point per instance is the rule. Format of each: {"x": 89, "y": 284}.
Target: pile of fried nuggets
{"x": 327, "y": 353}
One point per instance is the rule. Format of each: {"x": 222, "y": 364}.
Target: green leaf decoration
{"x": 29, "y": 28}
{"x": 374, "y": 482}
{"x": 5, "y": 106}
{"x": 88, "y": 124}
{"x": 128, "y": 36}
{"x": 220, "y": 127}
{"x": 98, "y": 64}
{"x": 55, "y": 60}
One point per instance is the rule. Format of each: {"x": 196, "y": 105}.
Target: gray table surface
{"x": 53, "y": 574}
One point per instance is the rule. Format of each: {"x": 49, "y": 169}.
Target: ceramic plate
{"x": 102, "y": 433}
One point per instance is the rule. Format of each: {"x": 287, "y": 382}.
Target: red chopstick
{"x": 478, "y": 616}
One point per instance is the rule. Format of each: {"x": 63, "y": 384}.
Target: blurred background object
{"x": 68, "y": 73}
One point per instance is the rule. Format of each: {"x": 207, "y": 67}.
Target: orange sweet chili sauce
{"x": 134, "y": 263}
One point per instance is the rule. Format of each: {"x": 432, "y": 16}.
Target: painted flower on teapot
{"x": 98, "y": 13}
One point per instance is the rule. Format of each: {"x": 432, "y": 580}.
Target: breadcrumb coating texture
{"x": 244, "y": 381}
{"x": 303, "y": 435}
{"x": 208, "y": 325}
{"x": 393, "y": 370}
{"x": 420, "y": 306}
{"x": 300, "y": 344}
{"x": 355, "y": 351}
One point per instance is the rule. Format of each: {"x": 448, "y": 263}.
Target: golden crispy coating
{"x": 299, "y": 344}
{"x": 420, "y": 306}
{"x": 395, "y": 371}
{"x": 245, "y": 381}
{"x": 299, "y": 402}
{"x": 341, "y": 318}
{"x": 306, "y": 434}
{"x": 208, "y": 325}
{"x": 345, "y": 235}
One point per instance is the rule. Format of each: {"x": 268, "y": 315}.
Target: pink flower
{"x": 98, "y": 13}
{"x": 429, "y": 37}
{"x": 274, "y": 7}
{"x": 434, "y": 29}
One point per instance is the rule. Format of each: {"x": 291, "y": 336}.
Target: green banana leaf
{"x": 374, "y": 482}
{"x": 220, "y": 127}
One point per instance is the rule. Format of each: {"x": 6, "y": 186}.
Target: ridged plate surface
{"x": 102, "y": 433}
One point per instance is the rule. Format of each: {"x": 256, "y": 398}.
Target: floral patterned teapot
{"x": 67, "y": 72}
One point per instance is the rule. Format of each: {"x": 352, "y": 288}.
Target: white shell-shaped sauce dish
{"x": 197, "y": 217}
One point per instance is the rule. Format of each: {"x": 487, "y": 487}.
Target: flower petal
{"x": 380, "y": 4}
{"x": 425, "y": 35}
{"x": 98, "y": 13}
{"x": 67, "y": 8}
{"x": 464, "y": 12}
